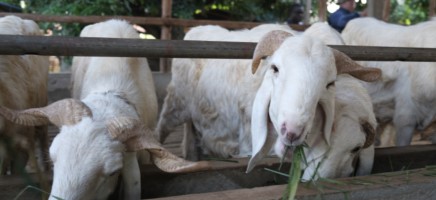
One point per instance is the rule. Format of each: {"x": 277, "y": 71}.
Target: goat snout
{"x": 291, "y": 133}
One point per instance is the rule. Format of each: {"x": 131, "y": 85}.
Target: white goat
{"x": 229, "y": 106}
{"x": 100, "y": 132}
{"x": 406, "y": 95}
{"x": 351, "y": 147}
{"x": 23, "y": 84}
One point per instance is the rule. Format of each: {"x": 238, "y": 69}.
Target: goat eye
{"x": 274, "y": 68}
{"x": 114, "y": 173}
{"x": 355, "y": 150}
{"x": 330, "y": 84}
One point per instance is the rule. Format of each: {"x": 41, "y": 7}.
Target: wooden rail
{"x": 158, "y": 21}
{"x": 75, "y": 46}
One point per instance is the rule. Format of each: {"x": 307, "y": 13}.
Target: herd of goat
{"x": 296, "y": 90}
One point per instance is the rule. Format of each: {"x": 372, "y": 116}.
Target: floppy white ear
{"x": 327, "y": 103}
{"x": 366, "y": 160}
{"x": 262, "y": 139}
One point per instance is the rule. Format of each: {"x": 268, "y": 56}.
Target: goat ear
{"x": 345, "y": 64}
{"x": 370, "y": 133}
{"x": 366, "y": 161}
{"x": 327, "y": 103}
{"x": 262, "y": 141}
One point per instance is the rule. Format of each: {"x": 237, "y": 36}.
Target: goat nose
{"x": 291, "y": 134}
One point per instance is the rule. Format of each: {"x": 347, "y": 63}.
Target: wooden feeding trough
{"x": 398, "y": 173}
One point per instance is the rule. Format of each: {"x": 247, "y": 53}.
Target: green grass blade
{"x": 35, "y": 188}
{"x": 277, "y": 172}
{"x": 294, "y": 174}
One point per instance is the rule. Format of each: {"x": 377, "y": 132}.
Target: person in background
{"x": 296, "y": 14}
{"x": 345, "y": 13}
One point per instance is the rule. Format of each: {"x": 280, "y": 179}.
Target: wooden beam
{"x": 158, "y": 21}
{"x": 412, "y": 184}
{"x": 307, "y": 9}
{"x": 431, "y": 8}
{"x": 76, "y": 46}
{"x": 165, "y": 63}
{"x": 386, "y": 10}
{"x": 375, "y": 8}
{"x": 322, "y": 10}
{"x": 230, "y": 175}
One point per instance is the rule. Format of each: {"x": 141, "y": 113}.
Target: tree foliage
{"x": 409, "y": 12}
{"x": 402, "y": 11}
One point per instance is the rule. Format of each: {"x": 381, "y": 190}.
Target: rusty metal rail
{"x": 76, "y": 46}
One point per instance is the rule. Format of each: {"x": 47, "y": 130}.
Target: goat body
{"x": 230, "y": 107}
{"x": 23, "y": 84}
{"x": 406, "y": 94}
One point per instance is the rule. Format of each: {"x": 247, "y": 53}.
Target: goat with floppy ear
{"x": 241, "y": 107}
{"x": 289, "y": 110}
{"x": 112, "y": 117}
{"x": 77, "y": 120}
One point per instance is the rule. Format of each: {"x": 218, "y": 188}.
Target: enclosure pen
{"x": 398, "y": 172}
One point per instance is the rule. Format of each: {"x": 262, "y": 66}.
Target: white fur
{"x": 87, "y": 162}
{"x": 227, "y": 104}
{"x": 23, "y": 84}
{"x": 352, "y": 108}
{"x": 406, "y": 95}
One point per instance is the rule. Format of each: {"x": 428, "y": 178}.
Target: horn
{"x": 370, "y": 134}
{"x": 168, "y": 162}
{"x": 123, "y": 128}
{"x": 345, "y": 64}
{"x": 267, "y": 45}
{"x": 63, "y": 112}
{"x": 136, "y": 137}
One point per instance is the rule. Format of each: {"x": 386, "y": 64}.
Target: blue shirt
{"x": 340, "y": 18}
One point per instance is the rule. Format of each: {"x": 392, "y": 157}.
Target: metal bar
{"x": 75, "y": 46}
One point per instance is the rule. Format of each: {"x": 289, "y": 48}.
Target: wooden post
{"x": 308, "y": 8}
{"x": 376, "y": 8}
{"x": 386, "y": 10}
{"x": 165, "y": 63}
{"x": 431, "y": 7}
{"x": 322, "y": 10}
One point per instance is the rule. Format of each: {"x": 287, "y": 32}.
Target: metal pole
{"x": 76, "y": 46}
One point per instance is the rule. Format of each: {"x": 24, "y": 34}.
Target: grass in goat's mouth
{"x": 294, "y": 176}
{"x": 295, "y": 172}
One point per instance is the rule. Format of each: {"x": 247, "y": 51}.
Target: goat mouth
{"x": 287, "y": 151}
{"x": 291, "y": 143}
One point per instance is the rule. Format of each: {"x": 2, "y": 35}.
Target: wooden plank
{"x": 402, "y": 158}
{"x": 75, "y": 46}
{"x": 413, "y": 184}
